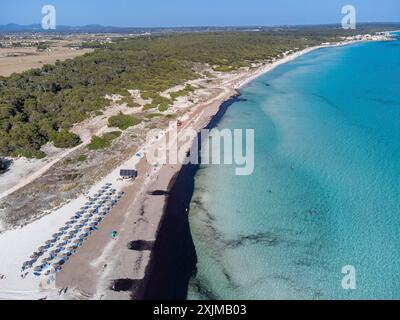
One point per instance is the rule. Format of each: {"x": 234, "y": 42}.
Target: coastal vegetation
{"x": 65, "y": 139}
{"x": 98, "y": 143}
{"x": 122, "y": 121}
{"x": 181, "y": 93}
{"x": 41, "y": 105}
{"x": 82, "y": 157}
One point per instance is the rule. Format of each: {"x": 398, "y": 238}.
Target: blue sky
{"x": 169, "y": 13}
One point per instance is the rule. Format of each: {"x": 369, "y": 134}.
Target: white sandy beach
{"x": 137, "y": 217}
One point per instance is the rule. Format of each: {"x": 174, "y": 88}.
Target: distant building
{"x": 128, "y": 174}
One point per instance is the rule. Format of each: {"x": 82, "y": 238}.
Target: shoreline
{"x": 174, "y": 252}
{"x": 143, "y": 215}
{"x": 167, "y": 276}
{"x": 168, "y": 250}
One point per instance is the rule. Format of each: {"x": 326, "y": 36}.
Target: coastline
{"x": 167, "y": 276}
{"x": 144, "y": 216}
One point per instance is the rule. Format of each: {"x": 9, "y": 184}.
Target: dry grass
{"x": 22, "y": 59}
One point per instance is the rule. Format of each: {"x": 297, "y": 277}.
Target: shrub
{"x": 82, "y": 157}
{"x": 122, "y": 121}
{"x": 98, "y": 143}
{"x": 65, "y": 139}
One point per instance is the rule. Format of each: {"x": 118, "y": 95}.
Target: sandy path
{"x": 37, "y": 174}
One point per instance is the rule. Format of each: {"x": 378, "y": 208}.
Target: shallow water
{"x": 325, "y": 190}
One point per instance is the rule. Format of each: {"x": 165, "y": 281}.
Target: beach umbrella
{"x": 53, "y": 253}
{"x": 48, "y": 271}
{"x": 77, "y": 227}
{"x": 42, "y": 249}
{"x": 88, "y": 230}
{"x": 57, "y": 235}
{"x": 50, "y": 241}
{"x": 34, "y": 256}
{"x": 64, "y": 256}
{"x": 93, "y": 224}
{"x": 37, "y": 269}
{"x": 62, "y": 244}
{"x": 50, "y": 258}
{"x": 61, "y": 262}
{"x": 63, "y": 229}
{"x": 60, "y": 248}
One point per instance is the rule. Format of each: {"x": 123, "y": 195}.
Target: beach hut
{"x": 128, "y": 174}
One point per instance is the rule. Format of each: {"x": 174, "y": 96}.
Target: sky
{"x": 181, "y": 13}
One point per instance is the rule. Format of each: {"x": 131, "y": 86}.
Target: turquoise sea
{"x": 325, "y": 192}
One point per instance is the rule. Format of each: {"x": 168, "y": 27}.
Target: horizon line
{"x": 201, "y": 26}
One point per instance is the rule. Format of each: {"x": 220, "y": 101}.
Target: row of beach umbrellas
{"x": 76, "y": 230}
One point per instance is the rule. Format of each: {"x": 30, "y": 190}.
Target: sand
{"x": 101, "y": 260}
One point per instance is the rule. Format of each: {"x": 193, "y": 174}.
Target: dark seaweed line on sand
{"x": 174, "y": 257}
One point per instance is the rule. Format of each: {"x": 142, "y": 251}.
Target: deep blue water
{"x": 325, "y": 192}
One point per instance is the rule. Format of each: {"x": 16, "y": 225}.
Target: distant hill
{"x": 97, "y": 28}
